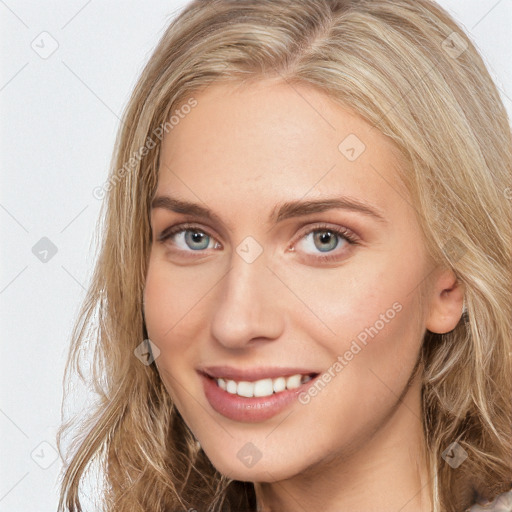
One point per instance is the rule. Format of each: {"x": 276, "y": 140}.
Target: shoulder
{"x": 502, "y": 503}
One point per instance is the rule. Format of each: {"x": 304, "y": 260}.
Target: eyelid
{"x": 185, "y": 226}
{"x": 343, "y": 231}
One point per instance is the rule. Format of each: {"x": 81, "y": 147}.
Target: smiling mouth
{"x": 271, "y": 390}
{"x": 263, "y": 387}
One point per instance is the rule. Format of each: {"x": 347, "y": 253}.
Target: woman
{"x": 302, "y": 300}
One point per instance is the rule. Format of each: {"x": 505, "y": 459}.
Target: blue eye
{"x": 196, "y": 237}
{"x": 325, "y": 240}
{"x": 190, "y": 238}
{"x": 186, "y": 238}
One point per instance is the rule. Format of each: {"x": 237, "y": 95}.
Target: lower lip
{"x": 249, "y": 410}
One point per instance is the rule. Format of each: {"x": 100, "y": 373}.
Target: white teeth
{"x": 231, "y": 387}
{"x": 245, "y": 389}
{"x": 263, "y": 387}
{"x": 293, "y": 382}
{"x": 279, "y": 384}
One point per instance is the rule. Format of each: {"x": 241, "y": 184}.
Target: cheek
{"x": 173, "y": 297}
{"x": 367, "y": 312}
{"x": 158, "y": 304}
{"x": 176, "y": 312}
{"x": 166, "y": 305}
{"x": 379, "y": 335}
{"x": 370, "y": 360}
{"x": 345, "y": 301}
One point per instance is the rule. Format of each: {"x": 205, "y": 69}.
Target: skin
{"x": 240, "y": 152}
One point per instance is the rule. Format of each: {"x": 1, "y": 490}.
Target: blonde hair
{"x": 408, "y": 69}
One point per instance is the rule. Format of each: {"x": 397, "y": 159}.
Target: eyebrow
{"x": 283, "y": 211}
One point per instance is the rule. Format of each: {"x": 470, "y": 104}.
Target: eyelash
{"x": 344, "y": 233}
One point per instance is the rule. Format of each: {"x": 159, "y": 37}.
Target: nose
{"x": 247, "y": 305}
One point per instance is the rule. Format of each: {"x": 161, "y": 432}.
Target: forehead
{"x": 266, "y": 138}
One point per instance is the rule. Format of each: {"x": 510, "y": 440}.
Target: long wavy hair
{"x": 407, "y": 68}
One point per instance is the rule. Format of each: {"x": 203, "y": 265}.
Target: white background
{"x": 59, "y": 117}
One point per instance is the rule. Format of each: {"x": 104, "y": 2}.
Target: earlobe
{"x": 446, "y": 303}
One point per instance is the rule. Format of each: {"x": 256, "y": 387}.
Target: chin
{"x": 263, "y": 470}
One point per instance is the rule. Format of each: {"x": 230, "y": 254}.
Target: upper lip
{"x": 253, "y": 374}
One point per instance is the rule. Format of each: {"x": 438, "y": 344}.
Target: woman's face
{"x": 302, "y": 255}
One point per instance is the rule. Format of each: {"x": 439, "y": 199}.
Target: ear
{"x": 446, "y": 301}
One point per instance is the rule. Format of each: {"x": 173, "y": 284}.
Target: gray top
{"x": 502, "y": 503}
